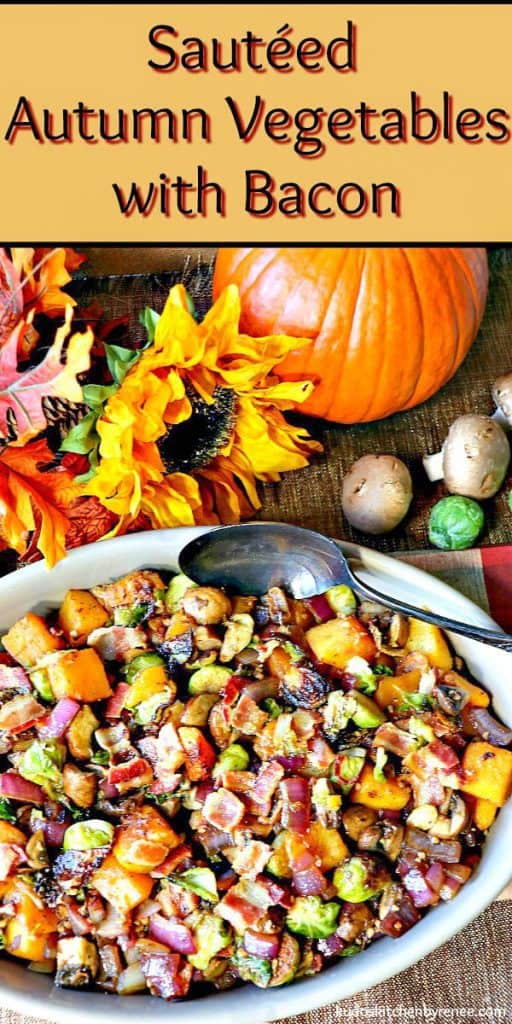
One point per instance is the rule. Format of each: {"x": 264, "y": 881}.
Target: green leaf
{"x": 6, "y": 810}
{"x": 120, "y": 360}
{"x": 149, "y": 319}
{"x": 96, "y": 395}
{"x": 82, "y": 438}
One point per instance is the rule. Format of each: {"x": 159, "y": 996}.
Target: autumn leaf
{"x": 32, "y": 500}
{"x": 11, "y": 298}
{"x": 22, "y": 394}
{"x": 44, "y": 273}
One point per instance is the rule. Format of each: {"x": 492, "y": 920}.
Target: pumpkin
{"x": 389, "y": 327}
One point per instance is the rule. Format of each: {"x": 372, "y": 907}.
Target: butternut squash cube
{"x": 488, "y": 772}
{"x": 484, "y": 813}
{"x": 337, "y": 641}
{"x": 123, "y": 889}
{"x": 388, "y": 794}
{"x": 31, "y": 934}
{"x": 326, "y": 844}
{"x": 392, "y": 689}
{"x": 145, "y": 841}
{"x": 79, "y": 614}
{"x": 78, "y": 674}
{"x": 478, "y": 697}
{"x": 430, "y": 641}
{"x": 29, "y": 639}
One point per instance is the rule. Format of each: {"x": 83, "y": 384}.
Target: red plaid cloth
{"x": 484, "y": 575}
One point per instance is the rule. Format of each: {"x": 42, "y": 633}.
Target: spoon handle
{"x": 486, "y": 636}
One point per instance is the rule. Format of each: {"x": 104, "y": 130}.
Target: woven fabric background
{"x": 311, "y": 497}
{"x": 469, "y": 978}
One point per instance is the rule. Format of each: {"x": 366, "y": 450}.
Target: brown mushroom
{"x": 502, "y": 397}
{"x": 474, "y": 458}
{"x": 376, "y": 493}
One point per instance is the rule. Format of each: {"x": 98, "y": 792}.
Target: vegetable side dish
{"x": 200, "y": 790}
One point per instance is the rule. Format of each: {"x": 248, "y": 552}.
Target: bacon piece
{"x": 14, "y": 677}
{"x": 115, "y": 703}
{"x": 11, "y": 856}
{"x": 20, "y": 713}
{"x": 130, "y": 774}
{"x": 268, "y": 779}
{"x": 223, "y": 810}
{"x": 296, "y": 804}
{"x": 168, "y": 975}
{"x": 248, "y": 717}
{"x": 200, "y": 756}
{"x": 170, "y": 753}
{"x": 239, "y": 912}
{"x": 250, "y": 859}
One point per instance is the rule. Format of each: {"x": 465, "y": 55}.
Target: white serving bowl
{"x": 38, "y": 589}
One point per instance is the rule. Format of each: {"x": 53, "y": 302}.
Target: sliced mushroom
{"x": 474, "y": 458}
{"x": 398, "y": 630}
{"x": 450, "y": 699}
{"x": 452, "y": 825}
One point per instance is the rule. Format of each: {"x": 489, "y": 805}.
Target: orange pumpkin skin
{"x": 389, "y": 327}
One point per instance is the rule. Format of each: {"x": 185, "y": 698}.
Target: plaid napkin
{"x": 467, "y": 980}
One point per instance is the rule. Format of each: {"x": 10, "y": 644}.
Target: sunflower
{"x": 197, "y": 421}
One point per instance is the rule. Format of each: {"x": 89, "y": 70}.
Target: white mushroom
{"x": 502, "y": 397}
{"x": 376, "y": 493}
{"x": 474, "y": 458}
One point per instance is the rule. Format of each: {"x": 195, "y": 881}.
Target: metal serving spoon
{"x": 251, "y": 558}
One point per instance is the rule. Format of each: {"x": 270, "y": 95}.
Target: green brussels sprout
{"x": 341, "y": 599}
{"x": 381, "y": 760}
{"x": 178, "y": 586}
{"x": 124, "y": 616}
{"x": 233, "y": 759}
{"x": 41, "y": 683}
{"x": 142, "y": 661}
{"x": 252, "y": 968}
{"x": 455, "y": 523}
{"x": 147, "y": 711}
{"x": 421, "y": 730}
{"x": 211, "y": 935}
{"x": 272, "y": 707}
{"x": 209, "y": 679}
{"x": 42, "y": 763}
{"x": 360, "y": 669}
{"x": 349, "y": 764}
{"x": 201, "y": 881}
{"x": 311, "y": 917}
{"x": 88, "y": 835}
{"x": 353, "y": 883}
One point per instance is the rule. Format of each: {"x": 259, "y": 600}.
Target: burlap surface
{"x": 469, "y": 978}
{"x": 312, "y": 497}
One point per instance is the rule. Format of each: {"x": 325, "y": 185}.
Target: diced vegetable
{"x": 30, "y": 639}
{"x": 211, "y": 934}
{"x": 78, "y": 674}
{"x": 488, "y": 772}
{"x": 201, "y": 881}
{"x": 79, "y": 614}
{"x": 341, "y": 599}
{"x": 123, "y": 889}
{"x": 42, "y": 763}
{"x": 391, "y": 794}
{"x": 31, "y": 934}
{"x": 339, "y": 640}
{"x": 88, "y": 835}
{"x": 358, "y": 880}
{"x": 484, "y": 813}
{"x": 176, "y": 590}
{"x": 80, "y": 732}
{"x": 150, "y": 659}
{"x": 311, "y": 917}
{"x": 234, "y": 759}
{"x": 144, "y": 841}
{"x": 430, "y": 641}
{"x": 79, "y": 786}
{"x": 392, "y": 690}
{"x": 326, "y": 845}
{"x": 210, "y": 679}
{"x": 285, "y": 967}
{"x": 476, "y": 696}
{"x": 148, "y": 682}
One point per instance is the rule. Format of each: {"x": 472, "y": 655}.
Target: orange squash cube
{"x": 31, "y": 934}
{"x": 79, "y": 614}
{"x": 144, "y": 842}
{"x": 326, "y": 844}
{"x": 10, "y": 834}
{"x": 484, "y": 813}
{"x": 389, "y": 794}
{"x": 392, "y": 689}
{"x": 123, "y": 889}
{"x": 78, "y": 674}
{"x": 29, "y": 639}
{"x": 337, "y": 641}
{"x": 488, "y": 772}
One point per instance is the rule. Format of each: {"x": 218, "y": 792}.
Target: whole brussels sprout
{"x": 455, "y": 523}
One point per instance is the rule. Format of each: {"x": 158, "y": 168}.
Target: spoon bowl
{"x": 252, "y": 557}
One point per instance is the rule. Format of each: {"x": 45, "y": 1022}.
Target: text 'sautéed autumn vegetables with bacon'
{"x": 200, "y": 790}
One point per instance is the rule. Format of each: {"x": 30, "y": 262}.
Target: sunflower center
{"x": 194, "y": 443}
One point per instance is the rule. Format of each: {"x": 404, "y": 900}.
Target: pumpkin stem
{"x": 433, "y": 465}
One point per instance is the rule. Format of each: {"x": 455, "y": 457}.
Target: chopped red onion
{"x": 291, "y": 763}
{"x": 16, "y": 787}
{"x": 320, "y": 608}
{"x": 419, "y": 890}
{"x": 261, "y": 944}
{"x": 310, "y": 882}
{"x": 60, "y": 718}
{"x": 54, "y": 832}
{"x": 435, "y": 876}
{"x": 173, "y": 934}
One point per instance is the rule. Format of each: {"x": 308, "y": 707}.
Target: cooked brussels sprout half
{"x": 88, "y": 835}
{"x": 311, "y": 917}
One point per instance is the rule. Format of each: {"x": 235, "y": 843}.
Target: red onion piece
{"x": 261, "y": 689}
{"x": 333, "y": 945}
{"x": 261, "y": 944}
{"x": 449, "y": 850}
{"x": 419, "y": 890}
{"x": 54, "y": 832}
{"x": 291, "y": 763}
{"x": 435, "y": 876}
{"x": 203, "y": 790}
{"x": 110, "y": 792}
{"x": 173, "y": 934}
{"x": 310, "y": 882}
{"x": 320, "y": 608}
{"x": 296, "y": 804}
{"x": 14, "y": 677}
{"x": 60, "y": 718}
{"x": 16, "y": 787}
